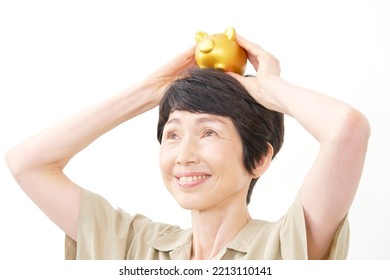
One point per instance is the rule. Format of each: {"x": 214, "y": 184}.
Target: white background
{"x": 58, "y": 57}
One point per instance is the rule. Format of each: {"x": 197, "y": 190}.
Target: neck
{"x": 213, "y": 229}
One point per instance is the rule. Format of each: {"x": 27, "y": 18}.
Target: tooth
{"x": 193, "y": 178}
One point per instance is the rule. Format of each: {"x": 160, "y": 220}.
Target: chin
{"x": 191, "y": 204}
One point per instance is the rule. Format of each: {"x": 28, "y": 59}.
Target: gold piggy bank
{"x": 220, "y": 51}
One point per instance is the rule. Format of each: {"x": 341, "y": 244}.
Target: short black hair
{"x": 212, "y": 91}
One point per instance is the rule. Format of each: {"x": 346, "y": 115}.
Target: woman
{"x": 209, "y": 161}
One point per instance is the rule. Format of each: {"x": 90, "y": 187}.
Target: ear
{"x": 263, "y": 164}
{"x": 199, "y": 36}
{"x": 230, "y": 32}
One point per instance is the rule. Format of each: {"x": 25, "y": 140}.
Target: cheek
{"x": 226, "y": 153}
{"x": 166, "y": 159}
{"x": 230, "y": 159}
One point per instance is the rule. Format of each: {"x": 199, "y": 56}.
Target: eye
{"x": 209, "y": 133}
{"x": 171, "y": 135}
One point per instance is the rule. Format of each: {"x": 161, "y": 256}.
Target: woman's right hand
{"x": 161, "y": 78}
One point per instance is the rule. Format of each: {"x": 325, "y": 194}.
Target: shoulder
{"x": 105, "y": 232}
{"x": 286, "y": 238}
{"x": 95, "y": 207}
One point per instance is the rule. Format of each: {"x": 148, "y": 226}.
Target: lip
{"x": 191, "y": 179}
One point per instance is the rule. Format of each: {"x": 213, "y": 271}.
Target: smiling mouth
{"x": 190, "y": 179}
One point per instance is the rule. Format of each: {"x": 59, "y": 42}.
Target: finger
{"x": 253, "y": 50}
{"x": 241, "y": 79}
{"x": 236, "y": 76}
{"x": 190, "y": 52}
{"x": 248, "y": 45}
{"x": 188, "y": 55}
{"x": 179, "y": 62}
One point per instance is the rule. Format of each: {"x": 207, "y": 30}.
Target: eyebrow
{"x": 206, "y": 119}
{"x": 198, "y": 120}
{"x": 174, "y": 120}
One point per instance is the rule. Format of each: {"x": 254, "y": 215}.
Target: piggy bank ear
{"x": 230, "y": 32}
{"x": 199, "y": 36}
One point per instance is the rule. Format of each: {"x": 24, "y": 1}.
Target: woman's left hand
{"x": 267, "y": 68}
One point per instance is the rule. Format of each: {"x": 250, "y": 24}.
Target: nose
{"x": 187, "y": 152}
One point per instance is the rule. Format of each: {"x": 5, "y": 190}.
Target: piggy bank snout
{"x": 206, "y": 46}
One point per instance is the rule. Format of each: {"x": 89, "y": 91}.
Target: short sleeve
{"x": 293, "y": 235}
{"x": 102, "y": 232}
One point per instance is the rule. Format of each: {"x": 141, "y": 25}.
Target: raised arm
{"x": 342, "y": 131}
{"x": 37, "y": 163}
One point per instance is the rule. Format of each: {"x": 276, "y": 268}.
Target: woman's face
{"x": 201, "y": 161}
